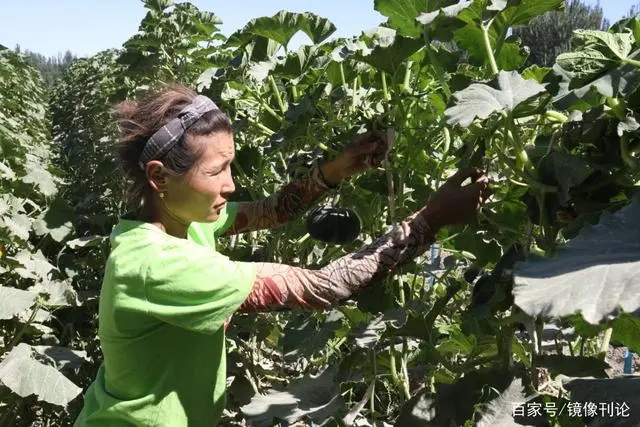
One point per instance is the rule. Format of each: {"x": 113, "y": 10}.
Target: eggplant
{"x": 338, "y": 226}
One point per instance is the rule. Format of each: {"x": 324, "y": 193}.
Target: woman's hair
{"x": 138, "y": 121}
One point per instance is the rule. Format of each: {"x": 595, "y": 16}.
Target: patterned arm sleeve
{"x": 279, "y": 286}
{"x": 287, "y": 204}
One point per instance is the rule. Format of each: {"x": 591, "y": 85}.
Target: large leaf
{"x": 62, "y": 357}
{"x": 283, "y": 26}
{"x": 573, "y": 366}
{"x": 445, "y": 12}
{"x": 610, "y": 402}
{"x": 367, "y": 335}
{"x": 503, "y": 409}
{"x": 594, "y": 274}
{"x": 520, "y": 12}
{"x": 619, "y": 81}
{"x": 25, "y": 376}
{"x": 402, "y": 14}
{"x": 380, "y": 47}
{"x": 565, "y": 170}
{"x": 504, "y": 15}
{"x": 508, "y": 93}
{"x": 453, "y": 404}
{"x": 14, "y": 301}
{"x": 34, "y": 266}
{"x": 56, "y": 293}
{"x": 596, "y": 53}
{"x": 317, "y": 398}
{"x": 626, "y": 330}
{"x": 59, "y": 219}
{"x": 38, "y": 175}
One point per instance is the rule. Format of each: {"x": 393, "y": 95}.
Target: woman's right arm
{"x": 283, "y": 286}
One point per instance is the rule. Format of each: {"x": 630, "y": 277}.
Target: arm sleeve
{"x": 281, "y": 207}
{"x": 195, "y": 287}
{"x": 279, "y": 286}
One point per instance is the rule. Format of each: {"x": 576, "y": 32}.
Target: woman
{"x": 167, "y": 293}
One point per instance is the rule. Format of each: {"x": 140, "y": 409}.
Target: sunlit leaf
{"x": 579, "y": 279}
{"x": 25, "y": 376}
{"x": 14, "y": 301}
{"x": 508, "y": 93}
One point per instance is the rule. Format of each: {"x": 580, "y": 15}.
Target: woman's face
{"x": 200, "y": 194}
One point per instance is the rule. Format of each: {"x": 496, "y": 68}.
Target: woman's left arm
{"x": 295, "y": 198}
{"x": 287, "y": 204}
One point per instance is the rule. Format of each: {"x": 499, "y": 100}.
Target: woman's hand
{"x": 454, "y": 204}
{"x": 366, "y": 150}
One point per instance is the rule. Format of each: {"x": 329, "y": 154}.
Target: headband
{"x": 168, "y": 135}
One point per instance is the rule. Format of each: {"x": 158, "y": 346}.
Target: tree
{"x": 50, "y": 68}
{"x": 633, "y": 11}
{"x": 549, "y": 35}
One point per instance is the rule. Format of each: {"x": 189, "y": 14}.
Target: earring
{"x": 162, "y": 195}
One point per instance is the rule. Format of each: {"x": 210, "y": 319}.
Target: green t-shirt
{"x": 163, "y": 305}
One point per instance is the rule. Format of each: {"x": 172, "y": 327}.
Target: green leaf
{"x": 500, "y": 411}
{"x": 596, "y": 53}
{"x": 56, "y": 293}
{"x": 617, "y": 82}
{"x": 573, "y": 366}
{"x": 614, "y": 400}
{"x": 520, "y": 12}
{"x": 157, "y": 5}
{"x": 594, "y": 274}
{"x": 14, "y": 301}
{"x": 19, "y": 225}
{"x": 38, "y": 175}
{"x": 402, "y": 14}
{"x": 626, "y": 331}
{"x": 282, "y": 26}
{"x": 34, "y": 265}
{"x": 316, "y": 398}
{"x": 63, "y": 357}
{"x": 565, "y": 170}
{"x": 536, "y": 73}
{"x": 390, "y": 52}
{"x": 445, "y": 12}
{"x": 368, "y": 335}
{"x": 484, "y": 248}
{"x": 25, "y": 376}
{"x": 453, "y": 404}
{"x": 508, "y": 93}
{"x": 59, "y": 218}
{"x": 84, "y": 242}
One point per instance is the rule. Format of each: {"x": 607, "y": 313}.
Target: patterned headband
{"x": 168, "y": 135}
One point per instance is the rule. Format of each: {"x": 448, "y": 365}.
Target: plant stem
{"x": 385, "y": 90}
{"x": 633, "y": 62}
{"x": 344, "y": 80}
{"x": 276, "y": 94}
{"x": 405, "y": 372}
{"x": 606, "y": 338}
{"x": 489, "y": 50}
{"x": 436, "y": 65}
{"x": 271, "y": 111}
{"x": 262, "y": 127}
{"x": 21, "y": 332}
{"x": 353, "y": 95}
{"x": 372, "y": 397}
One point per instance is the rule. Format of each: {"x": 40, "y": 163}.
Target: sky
{"x": 86, "y": 27}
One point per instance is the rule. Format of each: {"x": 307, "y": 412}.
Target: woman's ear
{"x": 157, "y": 176}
